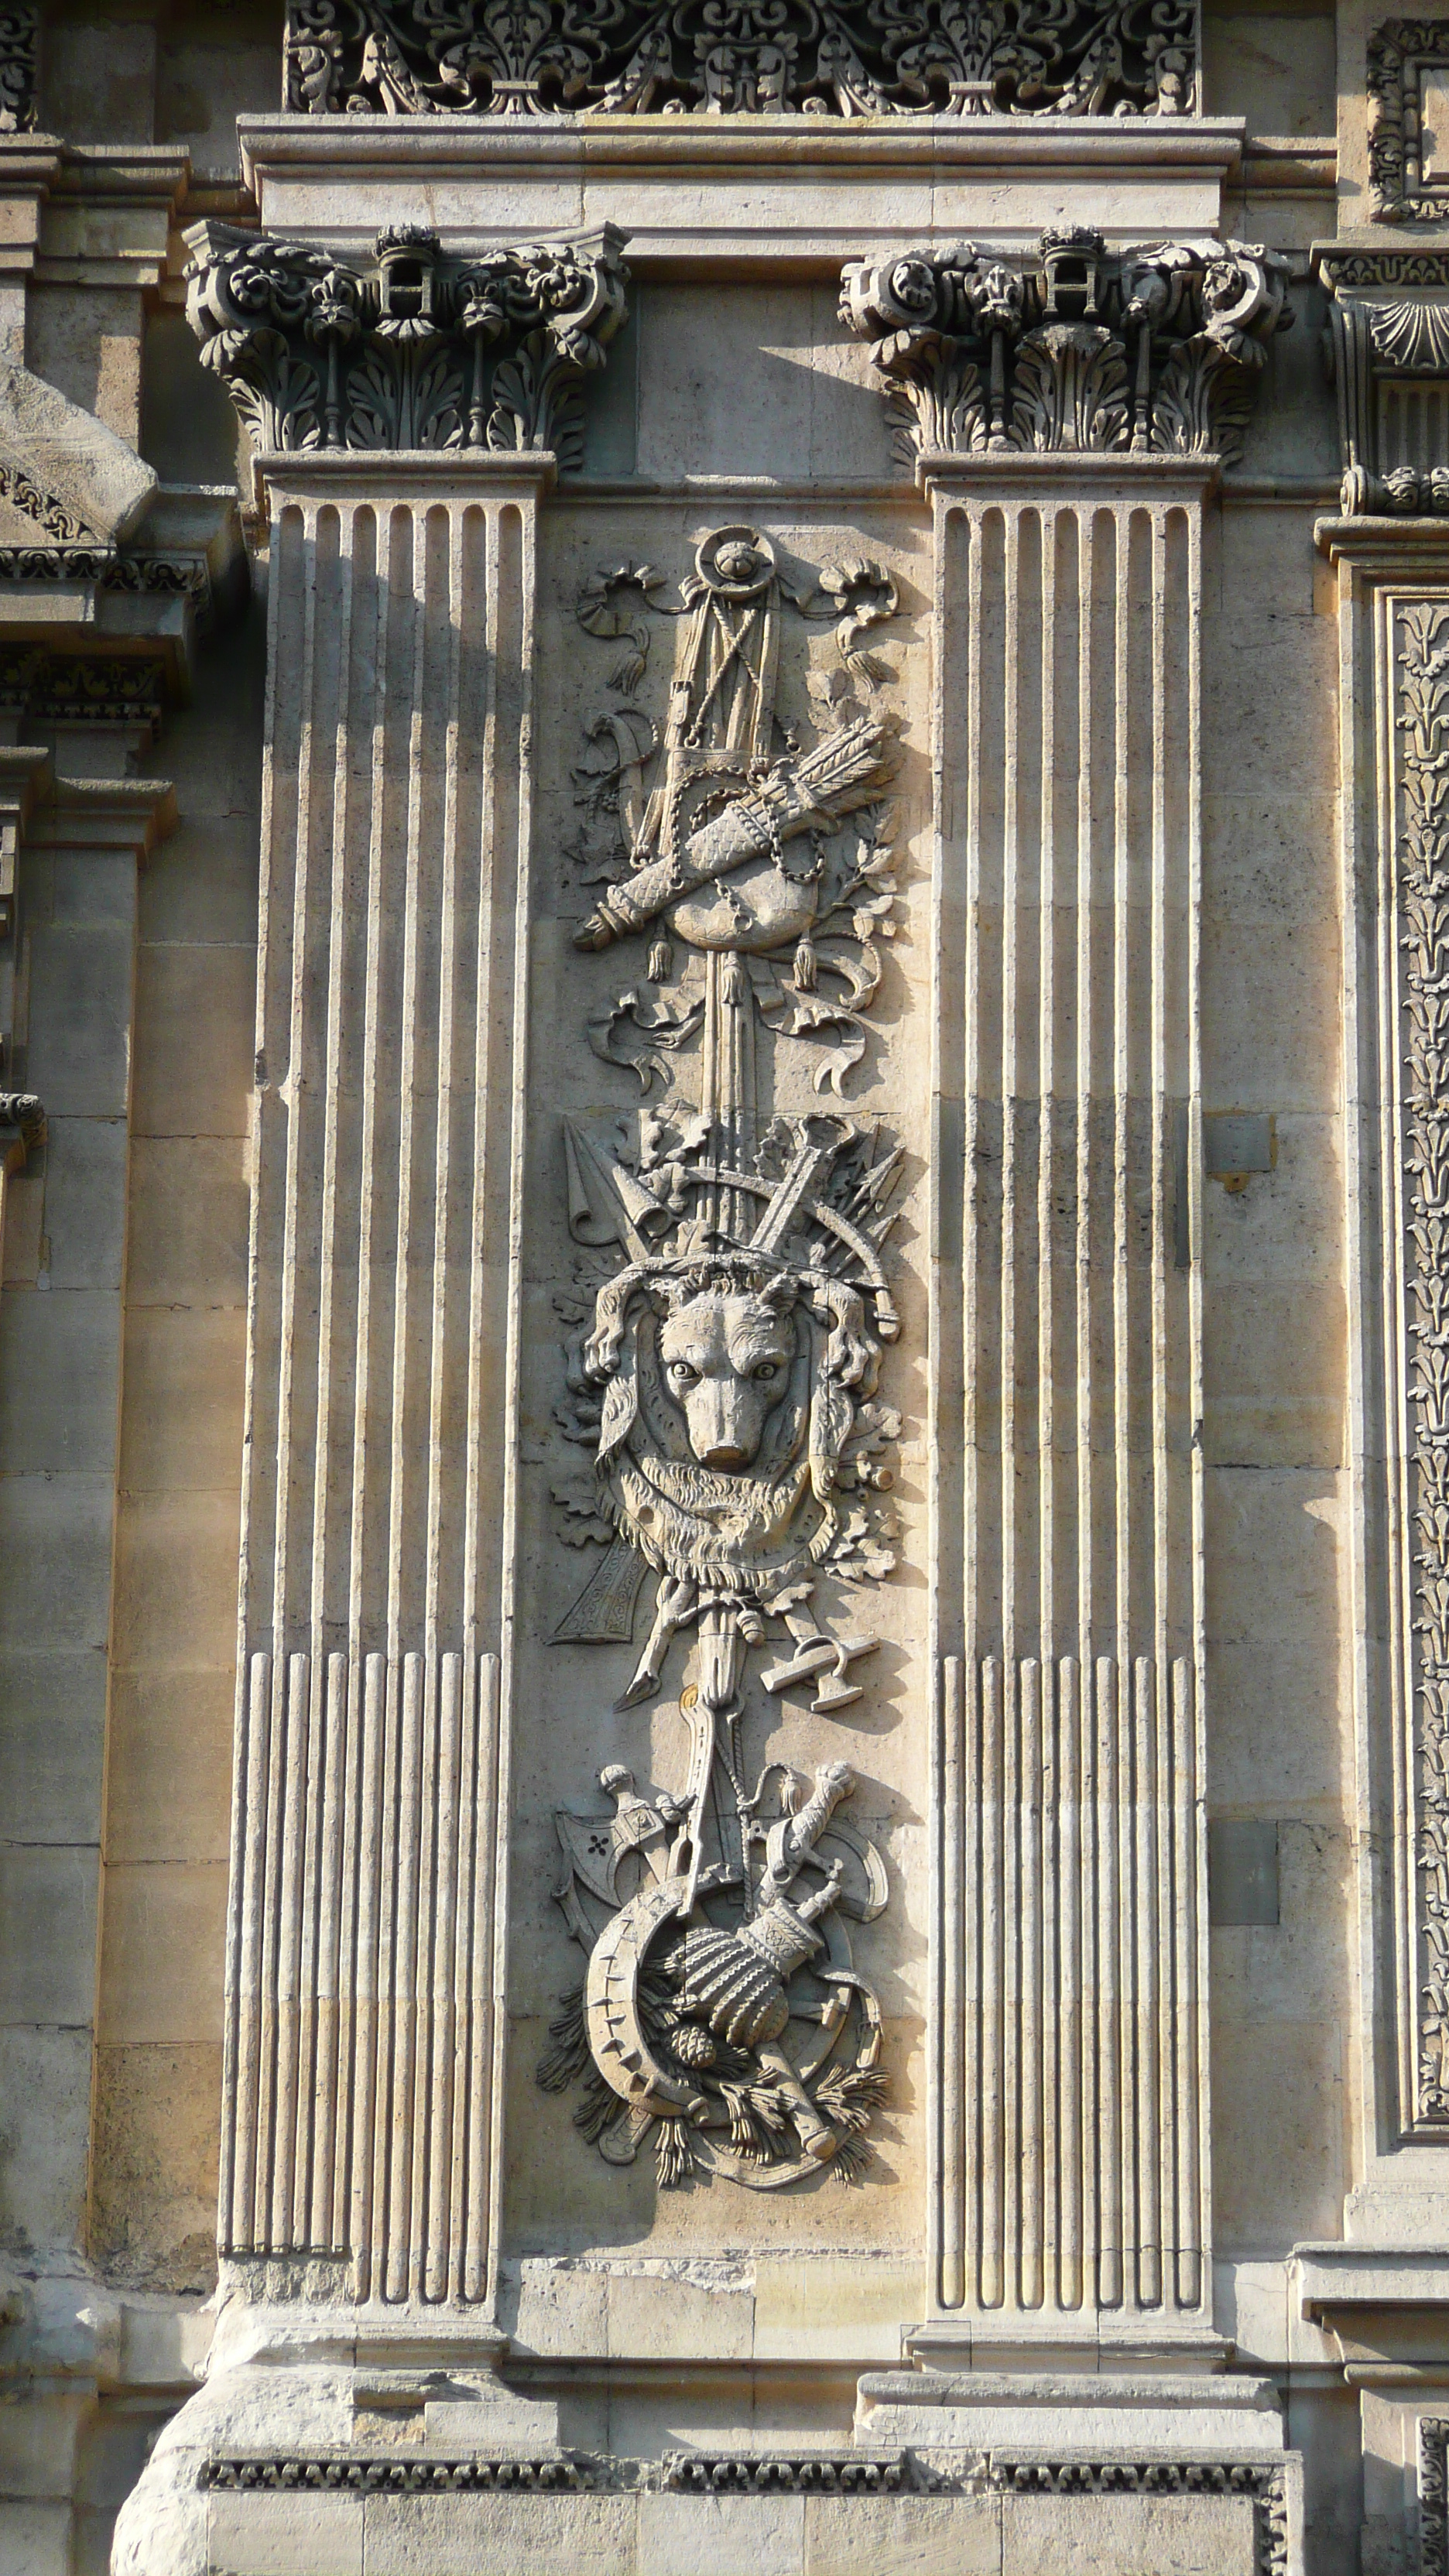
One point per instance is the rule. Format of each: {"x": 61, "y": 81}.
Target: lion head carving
{"x": 730, "y": 1385}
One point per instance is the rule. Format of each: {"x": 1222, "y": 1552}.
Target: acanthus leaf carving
{"x": 729, "y": 1324}
{"x": 1153, "y": 350}
{"x": 838, "y": 58}
{"x": 416, "y": 352}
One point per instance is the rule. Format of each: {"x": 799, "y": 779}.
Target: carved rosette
{"x": 415, "y": 351}
{"x": 1154, "y": 351}
{"x": 845, "y": 58}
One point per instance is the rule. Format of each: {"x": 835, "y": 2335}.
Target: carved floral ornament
{"x": 730, "y": 1321}
{"x": 1148, "y": 351}
{"x": 847, "y": 58}
{"x": 416, "y": 351}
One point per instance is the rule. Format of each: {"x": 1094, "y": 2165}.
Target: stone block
{"x": 286, "y": 2535}
{"x": 501, "y": 2535}
{"x": 176, "y": 1580}
{"x": 161, "y": 1956}
{"x": 195, "y": 1044}
{"x": 85, "y": 1202}
{"x": 721, "y": 2535}
{"x": 189, "y": 1221}
{"x": 48, "y": 1897}
{"x": 91, "y": 889}
{"x": 1127, "y": 2535}
{"x": 72, "y": 455}
{"x": 202, "y": 882}
{"x": 80, "y": 1020}
{"x": 60, "y": 1358}
{"x": 653, "y": 2317}
{"x": 157, "y": 2133}
{"x": 52, "y": 1745}
{"x": 34, "y": 2538}
{"x": 185, "y": 1385}
{"x": 45, "y": 2105}
{"x": 908, "y": 2535}
{"x": 170, "y": 1765}
{"x": 558, "y": 2308}
{"x": 1278, "y": 2132}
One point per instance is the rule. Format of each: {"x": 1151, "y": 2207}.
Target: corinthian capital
{"x": 1153, "y": 350}
{"x": 414, "y": 350}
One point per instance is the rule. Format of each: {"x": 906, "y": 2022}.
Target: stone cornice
{"x": 413, "y": 350}
{"x": 781, "y": 191}
{"x": 1078, "y": 352}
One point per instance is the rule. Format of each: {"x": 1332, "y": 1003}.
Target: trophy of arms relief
{"x": 731, "y": 1320}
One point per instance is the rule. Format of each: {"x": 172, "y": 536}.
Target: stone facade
{"x": 724, "y": 1191}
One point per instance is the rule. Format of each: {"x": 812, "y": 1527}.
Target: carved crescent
{"x": 611, "y": 2008}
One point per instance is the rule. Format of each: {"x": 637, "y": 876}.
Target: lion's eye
{"x": 683, "y": 1374}
{"x": 766, "y": 1370}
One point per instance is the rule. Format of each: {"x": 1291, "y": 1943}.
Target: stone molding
{"x": 1080, "y": 350}
{"x": 1399, "y": 53}
{"x": 415, "y": 350}
{"x": 1389, "y": 323}
{"x": 840, "y": 58}
{"x": 737, "y": 196}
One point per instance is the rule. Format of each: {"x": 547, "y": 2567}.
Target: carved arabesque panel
{"x": 846, "y": 58}
{"x": 1420, "y": 649}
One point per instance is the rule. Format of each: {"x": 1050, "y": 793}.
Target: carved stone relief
{"x": 417, "y": 351}
{"x": 730, "y": 1327}
{"x": 817, "y": 57}
{"x": 1421, "y": 661}
{"x": 1404, "y": 55}
{"x": 1389, "y": 322}
{"x": 1151, "y": 351}
{"x": 19, "y": 49}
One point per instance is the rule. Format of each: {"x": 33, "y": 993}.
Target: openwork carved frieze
{"x": 19, "y": 52}
{"x": 1389, "y": 321}
{"x": 1152, "y": 351}
{"x": 845, "y": 58}
{"x": 1408, "y": 66}
{"x": 414, "y": 351}
{"x": 731, "y": 1324}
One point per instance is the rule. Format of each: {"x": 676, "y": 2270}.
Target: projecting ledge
{"x": 1072, "y": 2414}
{"x": 409, "y": 474}
{"x": 1071, "y": 472}
{"x": 738, "y": 194}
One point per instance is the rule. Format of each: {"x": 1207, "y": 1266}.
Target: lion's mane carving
{"x": 730, "y": 1387}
